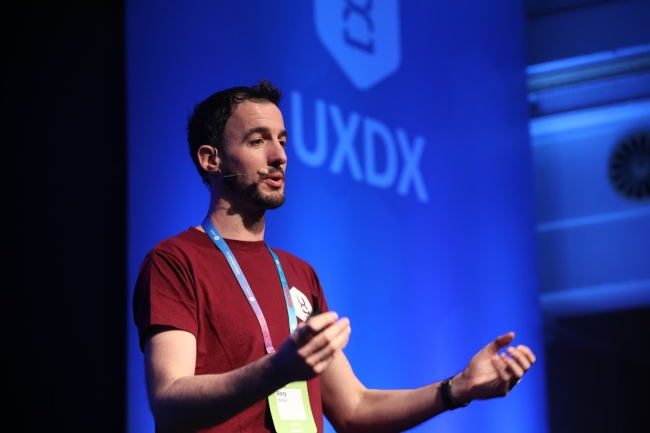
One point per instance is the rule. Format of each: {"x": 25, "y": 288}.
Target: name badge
{"x": 290, "y": 409}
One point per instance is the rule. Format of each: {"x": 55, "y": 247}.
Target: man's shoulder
{"x": 183, "y": 242}
{"x": 287, "y": 257}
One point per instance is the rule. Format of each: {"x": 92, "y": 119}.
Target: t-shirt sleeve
{"x": 164, "y": 295}
{"x": 322, "y": 302}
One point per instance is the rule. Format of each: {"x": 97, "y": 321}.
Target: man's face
{"x": 254, "y": 139}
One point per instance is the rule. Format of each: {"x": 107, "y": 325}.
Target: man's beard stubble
{"x": 271, "y": 200}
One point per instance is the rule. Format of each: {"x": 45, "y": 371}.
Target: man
{"x": 228, "y": 346}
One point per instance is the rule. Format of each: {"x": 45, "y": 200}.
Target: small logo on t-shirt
{"x": 301, "y": 304}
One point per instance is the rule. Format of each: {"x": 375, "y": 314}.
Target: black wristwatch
{"x": 447, "y": 399}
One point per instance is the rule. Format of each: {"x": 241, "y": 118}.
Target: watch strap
{"x": 449, "y": 401}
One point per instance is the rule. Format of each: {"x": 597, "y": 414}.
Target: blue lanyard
{"x": 246, "y": 288}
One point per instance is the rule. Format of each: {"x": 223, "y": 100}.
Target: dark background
{"x": 63, "y": 101}
{"x": 64, "y": 112}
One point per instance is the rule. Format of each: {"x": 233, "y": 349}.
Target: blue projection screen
{"x": 409, "y": 182}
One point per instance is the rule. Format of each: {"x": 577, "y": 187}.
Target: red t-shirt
{"x": 185, "y": 282}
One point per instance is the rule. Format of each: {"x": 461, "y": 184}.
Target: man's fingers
{"x": 528, "y": 353}
{"x": 321, "y": 358}
{"x": 307, "y": 330}
{"x": 320, "y": 338}
{"x": 324, "y": 344}
{"x": 311, "y": 348}
{"x": 501, "y": 367}
{"x": 519, "y": 354}
{"x": 502, "y": 341}
{"x": 513, "y": 366}
{"x": 518, "y": 360}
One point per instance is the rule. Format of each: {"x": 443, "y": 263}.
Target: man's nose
{"x": 277, "y": 154}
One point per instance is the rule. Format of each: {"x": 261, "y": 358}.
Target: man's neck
{"x": 233, "y": 225}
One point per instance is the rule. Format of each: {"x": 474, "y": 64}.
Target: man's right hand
{"x": 311, "y": 348}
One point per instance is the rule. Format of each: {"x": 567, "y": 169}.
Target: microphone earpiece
{"x": 261, "y": 172}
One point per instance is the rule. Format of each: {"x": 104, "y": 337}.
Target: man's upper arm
{"x": 341, "y": 391}
{"x": 169, "y": 354}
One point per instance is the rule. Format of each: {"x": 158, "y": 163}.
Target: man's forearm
{"x": 396, "y": 410}
{"x": 200, "y": 401}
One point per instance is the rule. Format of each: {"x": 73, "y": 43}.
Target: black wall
{"x": 597, "y": 372}
{"x": 64, "y": 113}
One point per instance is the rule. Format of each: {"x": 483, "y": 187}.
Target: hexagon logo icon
{"x": 363, "y": 37}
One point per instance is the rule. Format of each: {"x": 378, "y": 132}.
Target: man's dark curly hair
{"x": 208, "y": 120}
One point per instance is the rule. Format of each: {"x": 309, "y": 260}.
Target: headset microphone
{"x": 261, "y": 172}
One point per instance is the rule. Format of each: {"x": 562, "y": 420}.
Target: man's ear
{"x": 209, "y": 158}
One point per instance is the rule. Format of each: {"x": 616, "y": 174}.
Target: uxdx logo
{"x": 363, "y": 36}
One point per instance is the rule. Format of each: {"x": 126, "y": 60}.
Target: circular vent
{"x": 629, "y": 166}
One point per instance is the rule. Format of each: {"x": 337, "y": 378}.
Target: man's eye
{"x": 283, "y": 143}
{"x": 258, "y": 141}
